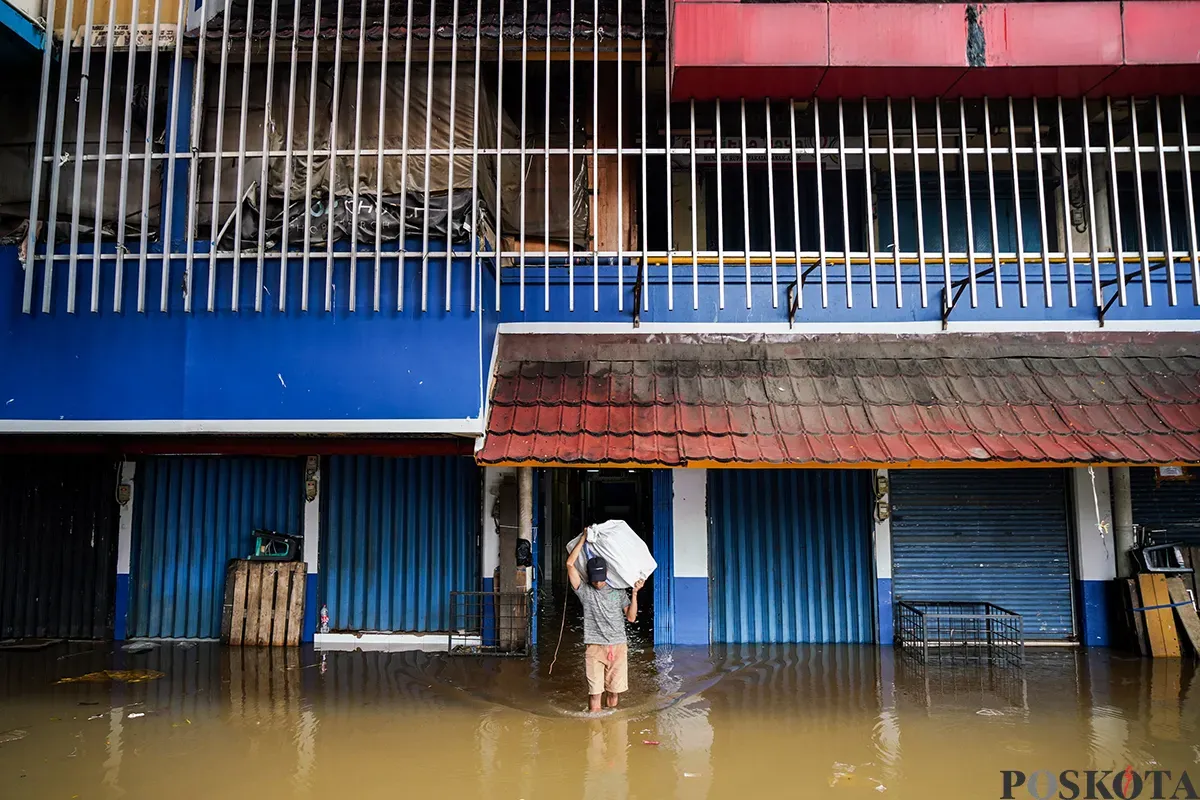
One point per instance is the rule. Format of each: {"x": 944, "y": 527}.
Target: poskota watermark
{"x": 1098, "y": 784}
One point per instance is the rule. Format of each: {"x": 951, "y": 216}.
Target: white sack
{"x": 628, "y": 558}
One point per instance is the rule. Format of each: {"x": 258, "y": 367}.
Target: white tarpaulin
{"x": 628, "y": 558}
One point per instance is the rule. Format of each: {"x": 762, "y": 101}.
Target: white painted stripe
{"x": 456, "y": 427}
{"x": 883, "y": 539}
{"x": 487, "y": 382}
{"x": 1093, "y": 524}
{"x": 689, "y": 514}
{"x": 390, "y": 641}
{"x": 490, "y": 541}
{"x": 923, "y": 328}
{"x": 125, "y": 519}
{"x": 312, "y": 528}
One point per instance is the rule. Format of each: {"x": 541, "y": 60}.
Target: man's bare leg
{"x": 594, "y": 702}
{"x": 613, "y": 699}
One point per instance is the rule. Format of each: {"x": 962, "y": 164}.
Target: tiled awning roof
{"x": 846, "y": 401}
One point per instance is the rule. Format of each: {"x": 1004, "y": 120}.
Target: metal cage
{"x": 973, "y": 631}
{"x": 491, "y": 623}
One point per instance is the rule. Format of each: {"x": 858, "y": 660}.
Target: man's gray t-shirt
{"x": 603, "y": 614}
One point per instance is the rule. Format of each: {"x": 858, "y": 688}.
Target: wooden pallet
{"x": 264, "y": 603}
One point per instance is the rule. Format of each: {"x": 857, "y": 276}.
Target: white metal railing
{"x": 516, "y": 134}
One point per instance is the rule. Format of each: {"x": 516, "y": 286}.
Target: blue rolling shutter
{"x": 1170, "y": 509}
{"x": 995, "y": 535}
{"x": 398, "y": 535}
{"x": 191, "y": 515}
{"x": 791, "y": 555}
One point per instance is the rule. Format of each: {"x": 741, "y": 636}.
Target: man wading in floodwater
{"x": 605, "y": 611}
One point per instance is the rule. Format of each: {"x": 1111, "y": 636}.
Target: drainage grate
{"x": 491, "y": 623}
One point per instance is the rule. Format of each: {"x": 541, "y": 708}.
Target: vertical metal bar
{"x": 380, "y": 142}
{"x": 168, "y": 200}
{"x": 745, "y": 205}
{"x": 891, "y": 146}
{"x": 992, "y": 200}
{"x": 695, "y": 223}
{"x": 966, "y": 170}
{"x": 1090, "y": 200}
{"x": 243, "y": 113}
{"x": 571, "y": 165}
{"x": 1168, "y": 239}
{"x": 849, "y": 276}
{"x": 356, "y": 177}
{"x": 405, "y": 103}
{"x": 1193, "y": 245}
{"x": 306, "y": 249}
{"x": 1147, "y": 295}
{"x": 546, "y": 174}
{"x": 1041, "y": 203}
{"x": 941, "y": 159}
{"x": 144, "y": 240}
{"x": 264, "y": 171}
{"x": 475, "y": 147}
{"x": 1012, "y": 152}
{"x": 524, "y": 197}
{"x": 869, "y": 191}
{"x": 620, "y": 160}
{"x": 450, "y": 168}
{"x": 64, "y": 70}
{"x": 39, "y": 151}
{"x": 820, "y": 201}
{"x": 194, "y": 162}
{"x": 1115, "y": 196}
{"x": 215, "y": 222}
{"x": 645, "y": 232}
{"x": 126, "y": 137}
{"x": 720, "y": 211}
{"x": 669, "y": 138}
{"x": 770, "y": 207}
{"x": 916, "y": 155}
{"x": 333, "y": 150}
{"x": 500, "y": 144}
{"x": 595, "y": 208}
{"x": 102, "y": 162}
{"x": 287, "y": 158}
{"x": 796, "y": 204}
{"x": 80, "y": 118}
{"x": 1068, "y": 244}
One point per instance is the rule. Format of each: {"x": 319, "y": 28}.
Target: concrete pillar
{"x": 689, "y": 515}
{"x": 1122, "y": 507}
{"x": 1095, "y": 551}
{"x": 124, "y": 550}
{"x": 883, "y": 558}
{"x": 525, "y": 530}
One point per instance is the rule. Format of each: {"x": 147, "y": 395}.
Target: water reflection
{"x": 733, "y": 722}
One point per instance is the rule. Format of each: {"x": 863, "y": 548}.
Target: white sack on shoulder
{"x": 628, "y": 558}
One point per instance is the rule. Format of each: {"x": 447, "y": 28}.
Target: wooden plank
{"x": 1191, "y": 557}
{"x": 237, "y": 627}
{"x": 296, "y": 603}
{"x": 279, "y": 611}
{"x": 266, "y": 602}
{"x": 227, "y": 603}
{"x": 1137, "y": 623}
{"x": 1186, "y": 614}
{"x": 1160, "y": 622}
{"x": 253, "y": 600}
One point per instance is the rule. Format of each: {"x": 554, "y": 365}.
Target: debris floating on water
{"x": 116, "y": 676}
{"x": 136, "y": 714}
{"x": 139, "y": 647}
{"x": 989, "y": 712}
{"x": 15, "y": 735}
{"x": 651, "y": 742}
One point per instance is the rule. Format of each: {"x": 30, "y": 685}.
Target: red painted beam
{"x": 732, "y": 50}
{"x": 118, "y": 446}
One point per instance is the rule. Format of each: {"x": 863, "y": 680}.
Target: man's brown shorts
{"x": 607, "y": 668}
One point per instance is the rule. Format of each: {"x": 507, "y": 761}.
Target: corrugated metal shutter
{"x": 992, "y": 535}
{"x": 191, "y": 515}
{"x": 58, "y": 537}
{"x": 663, "y": 579}
{"x": 399, "y": 535}
{"x": 1170, "y": 506}
{"x": 791, "y": 555}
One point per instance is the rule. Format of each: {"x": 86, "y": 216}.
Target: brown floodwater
{"x": 730, "y": 722}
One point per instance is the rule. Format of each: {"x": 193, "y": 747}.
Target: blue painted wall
{"x": 242, "y": 365}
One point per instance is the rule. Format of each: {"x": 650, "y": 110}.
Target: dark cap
{"x": 597, "y": 569}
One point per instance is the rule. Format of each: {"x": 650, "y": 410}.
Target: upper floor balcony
{"x": 536, "y": 163}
